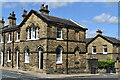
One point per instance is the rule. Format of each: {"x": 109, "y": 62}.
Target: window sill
{"x": 26, "y": 62}
{"x": 17, "y": 41}
{"x": 59, "y": 39}
{"x": 9, "y": 42}
{"x": 58, "y": 62}
{"x": 94, "y": 53}
{"x": 2, "y": 42}
{"x": 32, "y": 39}
{"x": 9, "y": 61}
{"x": 105, "y": 53}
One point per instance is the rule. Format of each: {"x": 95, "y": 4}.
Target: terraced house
{"x": 42, "y": 42}
{"x": 103, "y": 47}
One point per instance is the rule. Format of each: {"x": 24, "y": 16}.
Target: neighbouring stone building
{"x": 102, "y": 47}
{"x": 43, "y": 43}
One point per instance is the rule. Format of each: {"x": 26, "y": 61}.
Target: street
{"x": 10, "y": 75}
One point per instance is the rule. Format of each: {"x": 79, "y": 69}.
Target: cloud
{"x": 113, "y": 20}
{"x": 91, "y": 34}
{"x": 86, "y": 21}
{"x": 9, "y": 5}
{"x": 102, "y": 18}
{"x": 106, "y": 18}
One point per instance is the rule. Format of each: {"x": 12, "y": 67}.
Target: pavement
{"x": 44, "y": 75}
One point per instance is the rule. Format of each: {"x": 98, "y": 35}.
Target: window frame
{"x": 59, "y": 56}
{"x": 2, "y": 38}
{"x": 18, "y": 36}
{"x": 9, "y": 37}
{"x": 94, "y": 48}
{"x": 59, "y": 32}
{"x": 9, "y": 56}
{"x": 27, "y": 56}
{"x": 105, "y": 49}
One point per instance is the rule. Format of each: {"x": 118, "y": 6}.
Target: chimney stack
{"x": 2, "y": 22}
{"x": 12, "y": 19}
{"x": 24, "y": 14}
{"x": 44, "y": 9}
{"x": 99, "y": 32}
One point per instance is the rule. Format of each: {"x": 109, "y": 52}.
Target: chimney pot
{"x": 99, "y": 32}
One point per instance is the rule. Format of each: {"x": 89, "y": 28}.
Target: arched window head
{"x": 27, "y": 56}
{"x": 59, "y": 51}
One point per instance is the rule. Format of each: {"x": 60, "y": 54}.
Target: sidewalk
{"x": 44, "y": 75}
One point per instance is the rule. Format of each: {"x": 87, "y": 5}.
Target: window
{"x": 94, "y": 50}
{"x": 2, "y": 38}
{"x": 32, "y": 33}
{"x": 9, "y": 55}
{"x": 27, "y": 55}
{"x": 59, "y": 33}
{"x": 59, "y": 55}
{"x": 18, "y": 35}
{"x": 105, "y": 49}
{"x": 10, "y": 37}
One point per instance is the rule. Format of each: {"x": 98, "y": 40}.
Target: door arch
{"x": 40, "y": 58}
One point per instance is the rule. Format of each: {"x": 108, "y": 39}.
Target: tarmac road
{"x": 12, "y": 75}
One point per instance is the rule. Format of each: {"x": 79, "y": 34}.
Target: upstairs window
{"x": 94, "y": 50}
{"x": 104, "y": 49}
{"x": 32, "y": 33}
{"x": 18, "y": 35}
{"x": 59, "y": 33}
{"x": 2, "y": 38}
{"x": 9, "y": 37}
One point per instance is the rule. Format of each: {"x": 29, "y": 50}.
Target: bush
{"x": 108, "y": 63}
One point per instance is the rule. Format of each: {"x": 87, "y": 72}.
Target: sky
{"x": 92, "y": 15}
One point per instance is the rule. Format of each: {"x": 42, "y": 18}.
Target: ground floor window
{"x": 27, "y": 56}
{"x": 59, "y": 55}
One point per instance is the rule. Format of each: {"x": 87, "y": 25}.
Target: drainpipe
{"x": 3, "y": 49}
{"x": 13, "y": 50}
{"x": 67, "y": 54}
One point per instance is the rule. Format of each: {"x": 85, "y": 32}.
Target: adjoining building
{"x": 42, "y": 42}
{"x": 103, "y": 47}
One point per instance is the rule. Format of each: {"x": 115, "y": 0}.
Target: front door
{"x": 40, "y": 60}
{"x": 17, "y": 60}
{"x": 1, "y": 58}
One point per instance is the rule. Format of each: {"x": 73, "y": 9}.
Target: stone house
{"x": 102, "y": 47}
{"x": 43, "y": 43}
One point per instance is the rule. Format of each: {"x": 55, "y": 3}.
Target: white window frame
{"x": 27, "y": 57}
{"x": 8, "y": 52}
{"x": 104, "y": 46}
{"x": 37, "y": 33}
{"x": 2, "y": 38}
{"x": 93, "y": 50}
{"x": 18, "y": 38}
{"x": 59, "y": 61}
{"x": 60, "y": 34}
{"x": 9, "y": 37}
{"x": 1, "y": 58}
{"x": 31, "y": 33}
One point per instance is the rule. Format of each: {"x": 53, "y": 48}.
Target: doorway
{"x": 40, "y": 58}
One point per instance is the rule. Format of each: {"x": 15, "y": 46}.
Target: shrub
{"x": 108, "y": 63}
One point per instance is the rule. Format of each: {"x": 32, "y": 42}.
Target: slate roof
{"x": 109, "y": 39}
{"x": 54, "y": 19}
{"x": 10, "y": 28}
